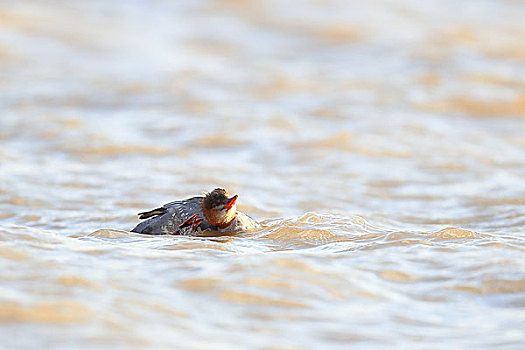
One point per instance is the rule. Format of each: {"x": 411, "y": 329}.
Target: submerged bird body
{"x": 169, "y": 217}
{"x": 212, "y": 212}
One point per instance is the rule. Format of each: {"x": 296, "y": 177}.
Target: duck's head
{"x": 219, "y": 209}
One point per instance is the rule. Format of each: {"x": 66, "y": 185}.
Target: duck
{"x": 214, "y": 211}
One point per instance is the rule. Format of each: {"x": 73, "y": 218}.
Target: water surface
{"x": 381, "y": 145}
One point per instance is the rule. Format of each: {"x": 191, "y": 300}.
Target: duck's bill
{"x": 231, "y": 202}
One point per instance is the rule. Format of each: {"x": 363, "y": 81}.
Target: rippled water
{"x": 381, "y": 144}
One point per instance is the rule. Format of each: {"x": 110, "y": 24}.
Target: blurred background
{"x": 380, "y": 143}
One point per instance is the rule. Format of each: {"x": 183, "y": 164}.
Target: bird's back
{"x": 170, "y": 216}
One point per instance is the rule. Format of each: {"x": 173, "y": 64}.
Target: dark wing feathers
{"x": 193, "y": 203}
{"x": 148, "y": 214}
{"x": 191, "y": 200}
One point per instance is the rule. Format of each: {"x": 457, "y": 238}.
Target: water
{"x": 381, "y": 144}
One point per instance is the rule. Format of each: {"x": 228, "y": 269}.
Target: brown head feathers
{"x": 214, "y": 199}
{"x": 218, "y": 209}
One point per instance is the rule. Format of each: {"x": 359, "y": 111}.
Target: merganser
{"x": 213, "y": 212}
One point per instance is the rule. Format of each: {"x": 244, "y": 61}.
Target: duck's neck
{"x": 232, "y": 221}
